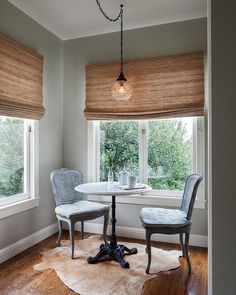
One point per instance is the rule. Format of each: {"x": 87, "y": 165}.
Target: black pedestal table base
{"x": 113, "y": 250}
{"x": 114, "y": 253}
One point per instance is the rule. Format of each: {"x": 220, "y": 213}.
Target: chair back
{"x": 63, "y": 183}
{"x": 190, "y": 192}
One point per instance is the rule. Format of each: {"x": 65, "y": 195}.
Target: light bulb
{"x": 121, "y": 91}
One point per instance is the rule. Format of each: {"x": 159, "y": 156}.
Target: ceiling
{"x": 70, "y": 19}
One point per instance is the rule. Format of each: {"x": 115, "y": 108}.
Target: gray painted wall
{"x": 19, "y": 26}
{"x": 172, "y": 38}
{"x": 223, "y": 43}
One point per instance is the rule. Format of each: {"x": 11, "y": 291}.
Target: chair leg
{"x": 148, "y": 250}
{"x": 106, "y": 219}
{"x": 82, "y": 230}
{"x": 186, "y": 251}
{"x": 71, "y": 230}
{"x": 182, "y": 244}
{"x": 59, "y": 232}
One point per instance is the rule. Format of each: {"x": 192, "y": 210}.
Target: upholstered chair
{"x": 71, "y": 206}
{"x": 172, "y": 221}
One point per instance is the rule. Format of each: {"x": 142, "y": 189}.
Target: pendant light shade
{"x": 121, "y": 89}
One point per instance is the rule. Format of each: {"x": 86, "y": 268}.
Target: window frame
{"x": 29, "y": 199}
{"x": 154, "y": 197}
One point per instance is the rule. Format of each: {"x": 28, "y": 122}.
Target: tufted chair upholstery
{"x": 71, "y": 206}
{"x": 172, "y": 221}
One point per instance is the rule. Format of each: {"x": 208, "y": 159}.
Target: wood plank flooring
{"x": 17, "y": 273}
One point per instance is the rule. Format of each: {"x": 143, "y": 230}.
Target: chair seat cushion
{"x": 161, "y": 217}
{"x": 82, "y": 208}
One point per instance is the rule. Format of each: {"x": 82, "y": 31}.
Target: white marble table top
{"x": 107, "y": 189}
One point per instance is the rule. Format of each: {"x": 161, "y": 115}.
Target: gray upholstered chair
{"x": 172, "y": 221}
{"x": 71, "y": 205}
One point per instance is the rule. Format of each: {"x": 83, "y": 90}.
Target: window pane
{"x": 122, "y": 138}
{"x": 11, "y": 156}
{"x": 170, "y": 153}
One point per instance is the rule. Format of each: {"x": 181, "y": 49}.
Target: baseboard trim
{"x": 139, "y": 233}
{"x": 23, "y": 244}
{"x": 96, "y": 228}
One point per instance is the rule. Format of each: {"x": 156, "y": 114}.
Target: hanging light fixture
{"x": 121, "y": 89}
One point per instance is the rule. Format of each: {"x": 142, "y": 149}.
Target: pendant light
{"x": 121, "y": 90}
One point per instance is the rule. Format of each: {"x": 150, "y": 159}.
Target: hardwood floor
{"x": 17, "y": 274}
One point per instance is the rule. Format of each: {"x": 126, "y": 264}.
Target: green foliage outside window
{"x": 120, "y": 137}
{"x": 170, "y": 148}
{"x": 169, "y": 151}
{"x": 11, "y": 156}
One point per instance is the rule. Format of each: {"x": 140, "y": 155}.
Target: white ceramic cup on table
{"x": 123, "y": 177}
{"x": 132, "y": 181}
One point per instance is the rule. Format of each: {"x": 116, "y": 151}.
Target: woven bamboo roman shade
{"x": 167, "y": 86}
{"x": 21, "y": 75}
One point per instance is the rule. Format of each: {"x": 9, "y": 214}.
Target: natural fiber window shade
{"x": 21, "y": 75}
{"x": 168, "y": 86}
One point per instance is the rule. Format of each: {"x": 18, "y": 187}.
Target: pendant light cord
{"x": 120, "y": 16}
{"x": 106, "y": 16}
{"x": 121, "y": 39}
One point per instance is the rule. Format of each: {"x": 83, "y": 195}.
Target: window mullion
{"x": 200, "y": 154}
{"x": 97, "y": 149}
{"x": 30, "y": 157}
{"x": 93, "y": 143}
{"x": 143, "y": 151}
{"x": 27, "y": 158}
{"x": 195, "y": 145}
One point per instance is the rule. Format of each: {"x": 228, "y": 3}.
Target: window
{"x": 170, "y": 153}
{"x": 161, "y": 152}
{"x": 17, "y": 155}
{"x": 122, "y": 137}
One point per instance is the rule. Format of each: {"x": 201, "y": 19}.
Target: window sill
{"x": 12, "y": 209}
{"x": 147, "y": 200}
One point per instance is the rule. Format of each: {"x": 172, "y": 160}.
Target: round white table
{"x": 112, "y": 249}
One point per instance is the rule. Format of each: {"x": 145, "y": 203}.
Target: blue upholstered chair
{"x": 71, "y": 205}
{"x": 172, "y": 221}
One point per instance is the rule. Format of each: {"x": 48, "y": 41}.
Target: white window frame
{"x": 154, "y": 197}
{"x": 29, "y": 199}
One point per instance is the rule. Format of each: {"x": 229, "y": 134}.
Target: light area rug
{"x": 106, "y": 277}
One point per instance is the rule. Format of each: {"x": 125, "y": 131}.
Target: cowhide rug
{"x": 107, "y": 277}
